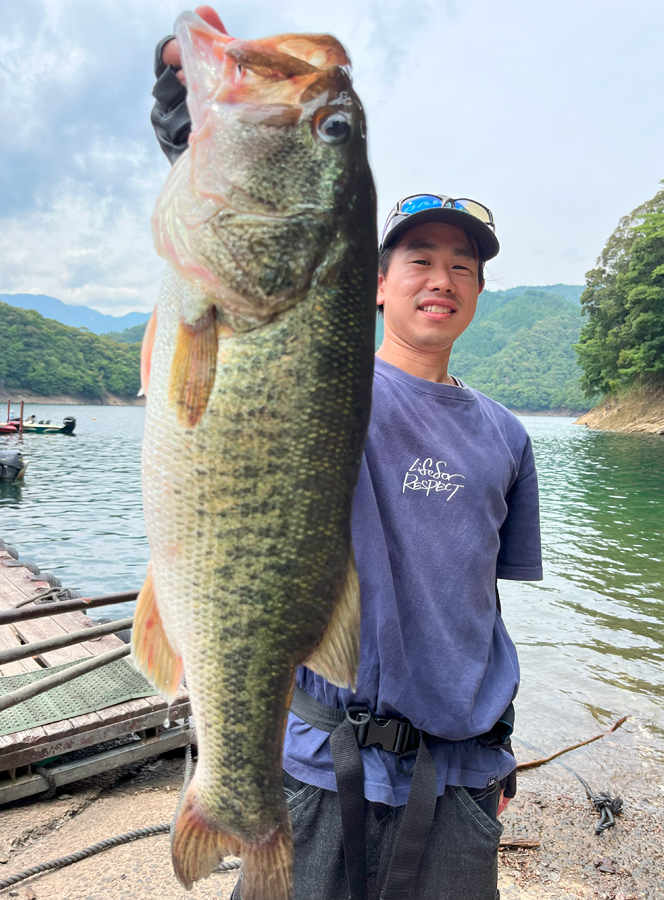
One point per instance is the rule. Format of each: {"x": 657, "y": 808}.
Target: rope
{"x": 606, "y": 805}
{"x": 126, "y": 838}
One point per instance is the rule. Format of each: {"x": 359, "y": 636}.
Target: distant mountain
{"x": 74, "y": 316}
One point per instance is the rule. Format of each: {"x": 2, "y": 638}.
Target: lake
{"x": 590, "y": 636}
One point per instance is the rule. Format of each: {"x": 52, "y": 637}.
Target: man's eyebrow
{"x": 465, "y": 252}
{"x": 420, "y": 245}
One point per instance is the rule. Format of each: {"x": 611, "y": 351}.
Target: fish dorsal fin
{"x": 146, "y": 352}
{"x": 151, "y": 650}
{"x": 337, "y": 657}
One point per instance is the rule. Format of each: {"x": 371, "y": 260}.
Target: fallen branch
{"x": 540, "y": 762}
{"x": 509, "y": 843}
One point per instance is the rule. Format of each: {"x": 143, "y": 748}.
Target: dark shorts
{"x": 460, "y": 862}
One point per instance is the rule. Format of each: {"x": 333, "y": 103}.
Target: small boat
{"x": 8, "y": 428}
{"x": 31, "y": 426}
{"x": 12, "y": 465}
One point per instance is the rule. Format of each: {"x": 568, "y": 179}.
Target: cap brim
{"x": 487, "y": 242}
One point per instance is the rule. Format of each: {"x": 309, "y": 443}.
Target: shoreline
{"x": 65, "y": 400}
{"x": 550, "y": 808}
{"x": 639, "y": 410}
{"x": 114, "y": 400}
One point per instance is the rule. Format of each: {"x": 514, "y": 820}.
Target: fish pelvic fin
{"x": 337, "y": 657}
{"x": 151, "y": 650}
{"x": 146, "y": 352}
{"x": 193, "y": 367}
{"x": 197, "y": 847}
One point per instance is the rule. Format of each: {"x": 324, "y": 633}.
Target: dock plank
{"x": 24, "y": 580}
{"x": 50, "y": 627}
{"x": 9, "y": 640}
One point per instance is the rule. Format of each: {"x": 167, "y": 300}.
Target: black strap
{"x": 414, "y": 829}
{"x": 349, "y": 772}
{"x": 350, "y": 785}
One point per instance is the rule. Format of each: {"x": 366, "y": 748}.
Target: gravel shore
{"x": 623, "y": 863}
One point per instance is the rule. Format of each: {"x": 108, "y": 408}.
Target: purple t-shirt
{"x": 446, "y": 502}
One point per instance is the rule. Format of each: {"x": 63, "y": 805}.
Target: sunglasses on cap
{"x": 417, "y": 203}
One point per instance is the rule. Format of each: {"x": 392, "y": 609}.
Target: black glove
{"x": 508, "y": 784}
{"x": 170, "y": 116}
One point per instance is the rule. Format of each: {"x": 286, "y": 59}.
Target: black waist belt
{"x": 356, "y": 727}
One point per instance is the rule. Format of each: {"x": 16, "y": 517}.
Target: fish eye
{"x": 333, "y": 128}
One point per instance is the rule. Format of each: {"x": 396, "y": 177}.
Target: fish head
{"x": 276, "y": 173}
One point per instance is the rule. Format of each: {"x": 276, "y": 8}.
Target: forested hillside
{"x": 519, "y": 349}
{"x": 622, "y": 341}
{"x": 42, "y": 356}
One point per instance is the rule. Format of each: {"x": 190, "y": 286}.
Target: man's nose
{"x": 440, "y": 279}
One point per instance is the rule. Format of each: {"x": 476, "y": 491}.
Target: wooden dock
{"x": 23, "y": 753}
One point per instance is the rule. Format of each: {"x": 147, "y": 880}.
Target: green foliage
{"x": 623, "y": 340}
{"x": 132, "y": 335}
{"x": 43, "y": 356}
{"x": 519, "y": 349}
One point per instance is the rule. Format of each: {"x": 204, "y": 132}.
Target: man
{"x": 446, "y": 503}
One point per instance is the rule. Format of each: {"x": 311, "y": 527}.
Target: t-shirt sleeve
{"x": 520, "y": 554}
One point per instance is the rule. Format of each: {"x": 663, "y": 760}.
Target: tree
{"x": 623, "y": 340}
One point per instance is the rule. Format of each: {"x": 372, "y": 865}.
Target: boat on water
{"x": 32, "y": 426}
{"x": 12, "y": 465}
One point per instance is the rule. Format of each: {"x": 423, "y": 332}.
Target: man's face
{"x": 430, "y": 292}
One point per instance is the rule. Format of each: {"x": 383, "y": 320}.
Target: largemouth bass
{"x": 257, "y": 367}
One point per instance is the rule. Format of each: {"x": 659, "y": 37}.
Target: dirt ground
{"x": 624, "y": 863}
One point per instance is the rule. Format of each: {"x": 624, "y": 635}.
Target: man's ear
{"x": 380, "y": 293}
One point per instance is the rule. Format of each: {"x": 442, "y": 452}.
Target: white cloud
{"x": 548, "y": 112}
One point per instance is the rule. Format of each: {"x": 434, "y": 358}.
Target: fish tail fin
{"x": 193, "y": 367}
{"x": 337, "y": 657}
{"x": 197, "y": 848}
{"x": 266, "y": 867}
{"x": 146, "y": 352}
{"x": 151, "y": 650}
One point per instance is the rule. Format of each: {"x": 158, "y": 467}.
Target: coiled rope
{"x": 126, "y": 838}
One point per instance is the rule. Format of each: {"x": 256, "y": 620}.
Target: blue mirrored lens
{"x": 422, "y": 201}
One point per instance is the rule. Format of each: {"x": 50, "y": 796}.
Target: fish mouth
{"x": 286, "y": 71}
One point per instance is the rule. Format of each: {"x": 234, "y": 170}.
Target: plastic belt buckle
{"x": 393, "y": 735}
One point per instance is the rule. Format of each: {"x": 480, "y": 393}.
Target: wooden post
{"x": 9, "y": 406}
{"x": 20, "y": 423}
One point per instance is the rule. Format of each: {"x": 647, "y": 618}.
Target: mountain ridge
{"x": 74, "y": 316}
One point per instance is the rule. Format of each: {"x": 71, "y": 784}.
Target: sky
{"x": 547, "y": 111}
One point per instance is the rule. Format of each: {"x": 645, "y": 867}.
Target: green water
{"x": 590, "y": 636}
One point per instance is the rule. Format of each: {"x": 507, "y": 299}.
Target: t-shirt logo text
{"x": 430, "y": 477}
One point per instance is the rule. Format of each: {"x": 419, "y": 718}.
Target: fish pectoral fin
{"x": 151, "y": 650}
{"x": 146, "y": 352}
{"x": 193, "y": 367}
{"x": 337, "y": 657}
